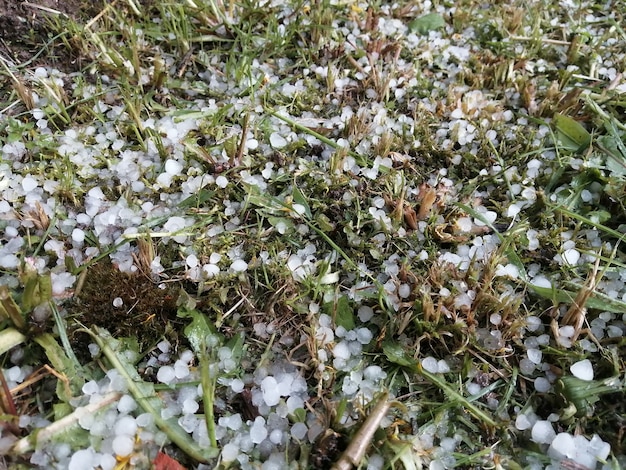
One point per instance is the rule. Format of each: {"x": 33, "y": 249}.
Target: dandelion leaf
{"x": 425, "y": 24}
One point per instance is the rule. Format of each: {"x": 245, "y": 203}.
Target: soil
{"x": 24, "y": 29}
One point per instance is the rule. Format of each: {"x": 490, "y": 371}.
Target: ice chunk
{"x": 582, "y": 370}
{"x": 599, "y": 448}
{"x": 166, "y": 374}
{"x": 534, "y": 355}
{"x": 298, "y": 431}
{"x": 522, "y": 422}
{"x": 341, "y": 351}
{"x": 126, "y": 404}
{"x": 239, "y": 266}
{"x": 126, "y": 426}
{"x": 364, "y": 335}
{"x": 562, "y": 446}
{"x": 230, "y": 452}
{"x": 276, "y": 436}
{"x": 82, "y": 459}
{"x": 294, "y": 402}
{"x": 123, "y": 445}
{"x": 258, "y": 431}
{"x": 269, "y": 388}
{"x": 542, "y": 432}
{"x": 277, "y": 141}
{"x": 542, "y": 384}
{"x": 237, "y": 385}
{"x": 430, "y": 364}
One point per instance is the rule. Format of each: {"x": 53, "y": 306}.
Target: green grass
{"x": 376, "y": 204}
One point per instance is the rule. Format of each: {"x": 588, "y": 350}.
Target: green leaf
{"x": 64, "y": 365}
{"x": 425, "y": 24}
{"x": 9, "y": 309}
{"x": 341, "y": 312}
{"x": 396, "y": 354}
{"x": 299, "y": 198}
{"x": 613, "y": 147}
{"x": 145, "y": 395}
{"x": 571, "y": 135}
{"x": 37, "y": 289}
{"x": 200, "y": 332}
{"x": 236, "y": 345}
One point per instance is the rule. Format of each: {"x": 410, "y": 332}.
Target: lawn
{"x": 310, "y": 234}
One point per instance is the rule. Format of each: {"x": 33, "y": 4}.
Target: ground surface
{"x": 238, "y": 234}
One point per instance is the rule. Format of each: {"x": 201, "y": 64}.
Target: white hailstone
{"x": 164, "y": 346}
{"x": 495, "y": 318}
{"x": 9, "y": 261}
{"x": 582, "y": 370}
{"x": 404, "y": 291}
{"x": 125, "y": 426}
{"x": 541, "y": 281}
{"x": 166, "y": 374}
{"x": 375, "y": 462}
{"x": 123, "y": 445}
{"x": 190, "y": 406}
{"x": 172, "y": 167}
{"x": 526, "y": 366}
{"x": 235, "y": 422}
{"x": 514, "y": 209}
{"x": 90, "y": 388}
{"x": 78, "y": 235}
{"x": 276, "y": 436}
{"x": 522, "y": 422}
{"x": 542, "y": 432}
{"x": 542, "y": 384}
{"x": 277, "y": 141}
{"x": 341, "y": 350}
{"x": 269, "y": 388}
{"x": 237, "y": 385}
{"x": 230, "y": 452}
{"x": 181, "y": 369}
{"x": 29, "y": 184}
{"x": 489, "y": 216}
{"x": 239, "y": 266}
{"x": 221, "y": 181}
{"x": 94, "y": 349}
{"x": 599, "y": 448}
{"x": 364, "y": 335}
{"x": 473, "y": 388}
{"x": 252, "y": 144}
{"x": 192, "y": 261}
{"x": 562, "y": 446}
{"x": 83, "y": 459}
{"x": 211, "y": 270}
{"x": 571, "y": 256}
{"x": 118, "y": 302}
{"x": 283, "y": 386}
{"x": 299, "y": 431}
{"x": 510, "y": 270}
{"x": 258, "y": 431}
{"x": 294, "y": 403}
{"x": 533, "y": 323}
{"x": 189, "y": 423}
{"x": 298, "y": 209}
{"x": 430, "y": 364}
{"x": 442, "y": 366}
{"x": 534, "y": 355}
{"x": 365, "y": 313}
{"x": 126, "y": 404}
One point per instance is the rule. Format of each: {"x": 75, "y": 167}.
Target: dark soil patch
{"x": 24, "y": 28}
{"x": 146, "y": 309}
